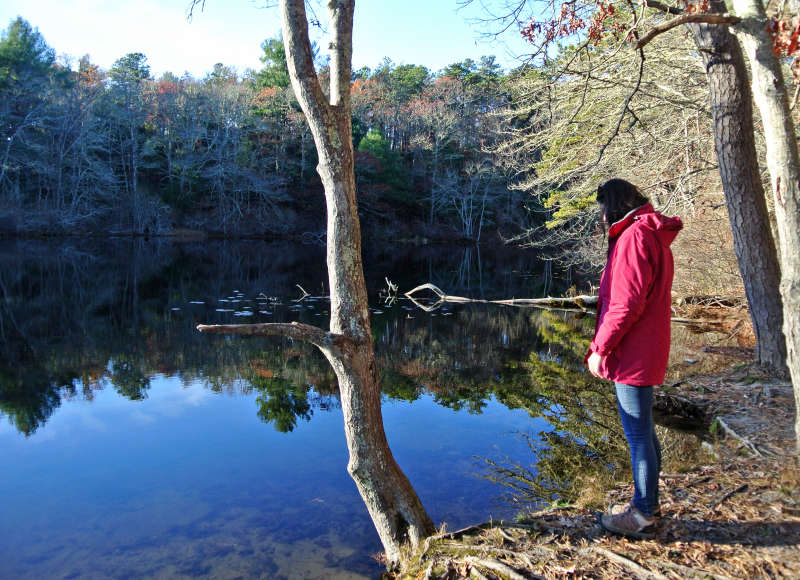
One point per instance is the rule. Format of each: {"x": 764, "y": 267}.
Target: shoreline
{"x": 733, "y": 514}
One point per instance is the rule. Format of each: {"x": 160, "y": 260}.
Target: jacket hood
{"x": 666, "y": 228}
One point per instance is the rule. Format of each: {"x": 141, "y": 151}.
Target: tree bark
{"x": 730, "y": 102}
{"x": 393, "y": 504}
{"x": 769, "y": 91}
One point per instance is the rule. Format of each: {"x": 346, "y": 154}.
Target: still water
{"x": 132, "y": 446}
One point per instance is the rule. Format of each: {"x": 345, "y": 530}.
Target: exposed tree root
{"x": 687, "y": 572}
{"x": 638, "y": 570}
{"x": 728, "y": 495}
{"x": 749, "y": 445}
{"x": 495, "y": 566}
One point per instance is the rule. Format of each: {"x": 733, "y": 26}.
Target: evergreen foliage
{"x": 275, "y": 73}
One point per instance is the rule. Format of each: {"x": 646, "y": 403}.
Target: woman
{"x": 631, "y": 342}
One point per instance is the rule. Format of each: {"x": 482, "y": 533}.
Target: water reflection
{"x": 75, "y": 317}
{"x": 587, "y": 445}
{"x": 151, "y": 437}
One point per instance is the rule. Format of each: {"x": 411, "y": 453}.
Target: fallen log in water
{"x": 583, "y": 303}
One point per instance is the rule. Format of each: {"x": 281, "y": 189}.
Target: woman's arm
{"x": 632, "y": 272}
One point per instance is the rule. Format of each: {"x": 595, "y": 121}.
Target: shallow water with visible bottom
{"x": 133, "y": 447}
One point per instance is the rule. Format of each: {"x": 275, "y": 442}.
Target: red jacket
{"x": 635, "y": 298}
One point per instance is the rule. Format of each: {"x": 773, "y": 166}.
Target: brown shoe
{"x": 631, "y": 523}
{"x": 618, "y": 508}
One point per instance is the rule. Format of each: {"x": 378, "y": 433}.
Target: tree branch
{"x": 626, "y": 105}
{"x": 195, "y": 4}
{"x": 664, "y": 7}
{"x": 294, "y": 330}
{"x": 707, "y": 18}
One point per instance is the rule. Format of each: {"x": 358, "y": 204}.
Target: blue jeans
{"x": 636, "y": 411}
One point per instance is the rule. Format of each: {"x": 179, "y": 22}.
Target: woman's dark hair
{"x": 617, "y": 197}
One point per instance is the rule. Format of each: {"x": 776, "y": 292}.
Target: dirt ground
{"x": 734, "y": 514}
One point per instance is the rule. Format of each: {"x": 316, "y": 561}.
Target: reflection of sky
{"x": 441, "y": 451}
{"x": 80, "y": 418}
{"x": 121, "y": 487}
{"x": 6, "y": 429}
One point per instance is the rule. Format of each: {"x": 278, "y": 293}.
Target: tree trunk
{"x": 393, "y": 504}
{"x": 769, "y": 91}
{"x": 731, "y": 106}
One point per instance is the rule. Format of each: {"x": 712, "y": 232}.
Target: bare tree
{"x": 470, "y": 194}
{"x": 393, "y": 504}
{"x": 561, "y": 115}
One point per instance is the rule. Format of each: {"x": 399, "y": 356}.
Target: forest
{"x": 90, "y": 151}
{"x": 470, "y": 152}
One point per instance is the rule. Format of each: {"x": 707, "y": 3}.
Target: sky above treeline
{"x": 432, "y": 33}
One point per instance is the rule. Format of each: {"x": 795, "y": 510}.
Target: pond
{"x": 133, "y": 446}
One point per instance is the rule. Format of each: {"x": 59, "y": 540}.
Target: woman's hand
{"x": 594, "y": 362}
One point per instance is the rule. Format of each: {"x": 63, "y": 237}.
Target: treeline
{"x": 88, "y": 151}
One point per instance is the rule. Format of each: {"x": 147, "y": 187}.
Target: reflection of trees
{"x": 587, "y": 441}
{"x": 476, "y": 272}
{"x": 281, "y": 403}
{"x": 398, "y": 385}
{"x": 78, "y": 313}
{"x": 531, "y": 360}
{"x": 28, "y": 402}
{"x": 460, "y": 355}
{"x": 85, "y": 315}
{"x": 130, "y": 379}
{"x": 291, "y": 381}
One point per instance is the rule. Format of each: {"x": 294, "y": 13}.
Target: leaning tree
{"x": 393, "y": 505}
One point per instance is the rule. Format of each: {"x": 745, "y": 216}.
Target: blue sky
{"x": 433, "y": 33}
